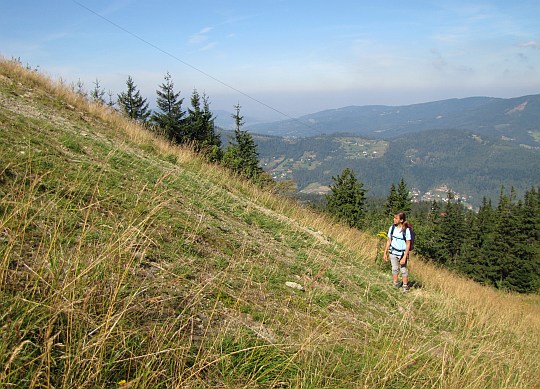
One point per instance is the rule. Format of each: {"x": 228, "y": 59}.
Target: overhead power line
{"x": 188, "y": 64}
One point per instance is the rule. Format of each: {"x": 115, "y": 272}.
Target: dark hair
{"x": 403, "y": 218}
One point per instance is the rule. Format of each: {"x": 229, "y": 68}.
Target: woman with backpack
{"x": 398, "y": 246}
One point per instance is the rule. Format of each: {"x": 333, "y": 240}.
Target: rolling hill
{"x": 126, "y": 261}
{"x": 474, "y": 165}
{"x": 516, "y": 119}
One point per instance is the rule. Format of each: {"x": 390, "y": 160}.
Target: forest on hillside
{"x": 465, "y": 162}
{"x": 497, "y": 246}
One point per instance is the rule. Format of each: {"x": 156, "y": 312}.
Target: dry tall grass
{"x": 127, "y": 261}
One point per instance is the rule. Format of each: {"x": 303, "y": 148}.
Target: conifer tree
{"x": 111, "y": 102}
{"x": 468, "y": 258}
{"x": 502, "y": 238}
{"x": 454, "y": 229}
{"x": 347, "y": 199}
{"x": 194, "y": 132}
{"x": 79, "y": 88}
{"x": 403, "y": 197}
{"x": 241, "y": 155}
{"x": 170, "y": 117}
{"x": 391, "y": 204}
{"x": 200, "y": 128}
{"x": 449, "y": 231}
{"x": 532, "y": 204}
{"x": 398, "y": 200}
{"x": 532, "y": 232}
{"x": 481, "y": 266}
{"x": 428, "y": 242}
{"x": 132, "y": 104}
{"x": 98, "y": 93}
{"x": 211, "y": 135}
{"x": 519, "y": 269}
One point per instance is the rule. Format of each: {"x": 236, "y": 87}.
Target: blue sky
{"x": 296, "y": 57}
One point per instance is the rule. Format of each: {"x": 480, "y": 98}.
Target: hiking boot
{"x": 405, "y": 287}
{"x": 397, "y": 284}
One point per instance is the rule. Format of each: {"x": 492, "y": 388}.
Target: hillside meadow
{"x": 129, "y": 262}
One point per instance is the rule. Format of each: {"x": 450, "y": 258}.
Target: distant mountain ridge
{"x": 516, "y": 119}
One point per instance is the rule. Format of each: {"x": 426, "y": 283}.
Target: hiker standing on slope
{"x": 398, "y": 245}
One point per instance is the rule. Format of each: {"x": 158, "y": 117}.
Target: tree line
{"x": 195, "y": 127}
{"x": 497, "y": 246}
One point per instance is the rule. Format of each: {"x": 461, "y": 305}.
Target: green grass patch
{"x": 255, "y": 362}
{"x": 71, "y": 143}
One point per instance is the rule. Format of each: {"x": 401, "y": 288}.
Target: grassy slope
{"x": 123, "y": 258}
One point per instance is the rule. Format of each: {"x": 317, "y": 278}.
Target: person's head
{"x": 400, "y": 218}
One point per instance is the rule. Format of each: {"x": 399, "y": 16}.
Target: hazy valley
{"x": 472, "y": 146}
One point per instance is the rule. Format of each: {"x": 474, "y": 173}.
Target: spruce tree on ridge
{"x": 132, "y": 104}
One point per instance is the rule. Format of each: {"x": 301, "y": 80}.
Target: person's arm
{"x": 385, "y": 256}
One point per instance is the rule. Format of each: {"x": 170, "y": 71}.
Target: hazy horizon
{"x": 284, "y": 57}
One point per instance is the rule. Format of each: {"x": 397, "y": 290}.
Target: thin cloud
{"x": 197, "y": 39}
{"x": 530, "y": 44}
{"x": 200, "y": 37}
{"x": 55, "y": 36}
{"x": 205, "y": 30}
{"x": 209, "y": 46}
